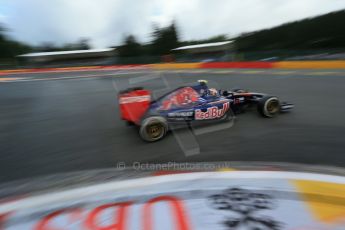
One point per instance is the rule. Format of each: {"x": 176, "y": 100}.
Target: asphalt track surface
{"x": 62, "y": 122}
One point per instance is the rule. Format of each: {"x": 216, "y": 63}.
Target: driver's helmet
{"x": 201, "y": 88}
{"x": 212, "y": 92}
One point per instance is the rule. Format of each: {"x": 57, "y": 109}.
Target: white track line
{"x": 66, "y": 70}
{"x": 115, "y": 74}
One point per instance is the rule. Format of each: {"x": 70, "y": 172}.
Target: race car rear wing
{"x": 134, "y": 103}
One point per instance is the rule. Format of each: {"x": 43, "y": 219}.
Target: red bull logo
{"x": 212, "y": 112}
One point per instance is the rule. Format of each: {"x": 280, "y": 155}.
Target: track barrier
{"x": 198, "y": 65}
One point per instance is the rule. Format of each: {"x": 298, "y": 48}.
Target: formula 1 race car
{"x": 190, "y": 105}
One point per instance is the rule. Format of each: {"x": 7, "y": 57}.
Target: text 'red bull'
{"x": 212, "y": 112}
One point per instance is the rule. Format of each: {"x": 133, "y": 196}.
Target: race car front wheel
{"x": 153, "y": 129}
{"x": 269, "y": 106}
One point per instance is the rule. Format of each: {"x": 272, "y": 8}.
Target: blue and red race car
{"x": 196, "y": 104}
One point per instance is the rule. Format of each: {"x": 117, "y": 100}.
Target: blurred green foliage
{"x": 82, "y": 44}
{"x": 10, "y": 48}
{"x": 218, "y": 38}
{"x": 163, "y": 41}
{"x": 322, "y": 32}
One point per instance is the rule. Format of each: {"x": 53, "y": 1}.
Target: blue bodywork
{"x": 191, "y": 103}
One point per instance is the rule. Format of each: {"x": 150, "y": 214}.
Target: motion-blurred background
{"x": 40, "y": 34}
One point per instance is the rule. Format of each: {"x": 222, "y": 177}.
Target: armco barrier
{"x": 209, "y": 65}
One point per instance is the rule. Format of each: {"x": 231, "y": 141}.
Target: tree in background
{"x": 321, "y": 32}
{"x": 46, "y": 47}
{"x": 82, "y": 44}
{"x": 164, "y": 40}
{"x": 10, "y": 48}
{"x": 218, "y": 38}
{"x": 130, "y": 47}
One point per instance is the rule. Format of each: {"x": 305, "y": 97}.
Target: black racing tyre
{"x": 269, "y": 106}
{"x": 229, "y": 115}
{"x": 153, "y": 128}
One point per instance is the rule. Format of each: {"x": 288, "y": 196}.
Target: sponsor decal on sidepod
{"x": 180, "y": 114}
{"x": 212, "y": 112}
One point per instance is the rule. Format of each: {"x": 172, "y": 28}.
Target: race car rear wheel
{"x": 269, "y": 106}
{"x": 153, "y": 129}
